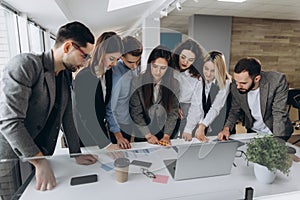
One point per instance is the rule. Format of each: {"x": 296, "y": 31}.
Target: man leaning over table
{"x": 262, "y": 96}
{"x": 35, "y": 101}
{"x": 120, "y": 124}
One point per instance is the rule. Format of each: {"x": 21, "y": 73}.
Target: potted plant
{"x": 268, "y": 154}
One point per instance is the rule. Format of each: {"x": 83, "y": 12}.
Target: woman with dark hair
{"x": 92, "y": 90}
{"x": 153, "y": 103}
{"x": 188, "y": 58}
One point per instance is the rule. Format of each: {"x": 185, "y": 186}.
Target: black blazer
{"x": 90, "y": 107}
{"x": 100, "y": 102}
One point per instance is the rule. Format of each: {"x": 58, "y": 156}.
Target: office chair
{"x": 293, "y": 100}
{"x": 296, "y": 104}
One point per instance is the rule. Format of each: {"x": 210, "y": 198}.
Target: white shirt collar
{"x": 209, "y": 84}
{"x": 186, "y": 72}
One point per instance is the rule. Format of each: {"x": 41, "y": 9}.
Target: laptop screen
{"x": 203, "y": 159}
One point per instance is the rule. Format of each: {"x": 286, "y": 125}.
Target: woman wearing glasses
{"x": 92, "y": 90}
{"x": 188, "y": 57}
{"x": 153, "y": 102}
{"x": 217, "y": 87}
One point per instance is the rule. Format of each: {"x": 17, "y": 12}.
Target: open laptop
{"x": 203, "y": 159}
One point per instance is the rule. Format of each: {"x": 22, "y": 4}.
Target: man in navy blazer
{"x": 35, "y": 102}
{"x": 261, "y": 97}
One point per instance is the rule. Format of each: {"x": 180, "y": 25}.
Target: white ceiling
{"x": 53, "y": 13}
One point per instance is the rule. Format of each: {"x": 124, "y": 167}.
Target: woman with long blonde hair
{"x": 217, "y": 88}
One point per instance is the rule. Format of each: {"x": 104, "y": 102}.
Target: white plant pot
{"x": 263, "y": 174}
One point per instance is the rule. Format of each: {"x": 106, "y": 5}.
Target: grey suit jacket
{"x": 273, "y": 99}
{"x": 156, "y": 118}
{"x": 26, "y": 100}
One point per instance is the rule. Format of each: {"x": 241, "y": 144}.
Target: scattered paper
{"x": 107, "y": 166}
{"x": 161, "y": 179}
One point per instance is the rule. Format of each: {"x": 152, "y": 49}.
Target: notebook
{"x": 203, "y": 159}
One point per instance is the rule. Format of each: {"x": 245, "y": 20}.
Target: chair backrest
{"x": 297, "y": 101}
{"x": 293, "y": 92}
{"x": 294, "y": 98}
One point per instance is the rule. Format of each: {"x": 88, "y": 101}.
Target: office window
{"x": 18, "y": 35}
{"x": 9, "y": 39}
{"x": 49, "y": 40}
{"x": 52, "y": 41}
{"x": 36, "y": 42}
{"x": 23, "y": 32}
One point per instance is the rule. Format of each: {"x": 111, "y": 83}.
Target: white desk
{"x": 141, "y": 187}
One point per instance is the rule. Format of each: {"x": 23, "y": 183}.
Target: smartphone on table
{"x": 84, "y": 179}
{"x": 141, "y": 163}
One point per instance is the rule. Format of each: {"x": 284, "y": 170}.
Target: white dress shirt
{"x": 188, "y": 85}
{"x": 191, "y": 92}
{"x": 259, "y": 125}
{"x": 103, "y": 83}
{"x": 217, "y": 104}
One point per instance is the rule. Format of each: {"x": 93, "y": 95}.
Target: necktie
{"x": 207, "y": 105}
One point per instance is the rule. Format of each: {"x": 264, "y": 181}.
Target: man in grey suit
{"x": 262, "y": 97}
{"x": 35, "y": 101}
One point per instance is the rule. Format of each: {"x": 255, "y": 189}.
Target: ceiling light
{"x": 178, "y": 6}
{"x": 117, "y": 4}
{"x": 233, "y": 1}
{"x": 164, "y": 12}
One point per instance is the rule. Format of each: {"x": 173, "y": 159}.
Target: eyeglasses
{"x": 148, "y": 173}
{"x": 241, "y": 154}
{"x": 85, "y": 55}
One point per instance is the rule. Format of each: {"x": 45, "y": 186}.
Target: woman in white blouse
{"x": 188, "y": 58}
{"x": 217, "y": 87}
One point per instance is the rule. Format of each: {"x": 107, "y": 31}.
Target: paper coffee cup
{"x": 121, "y": 168}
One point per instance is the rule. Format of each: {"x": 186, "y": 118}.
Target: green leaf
{"x": 270, "y": 152}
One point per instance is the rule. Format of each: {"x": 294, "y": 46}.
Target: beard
{"x": 247, "y": 90}
{"x": 70, "y": 68}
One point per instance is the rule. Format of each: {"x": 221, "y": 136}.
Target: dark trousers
{"x": 10, "y": 179}
{"x": 180, "y": 124}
